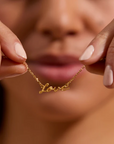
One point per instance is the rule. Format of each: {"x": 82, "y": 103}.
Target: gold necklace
{"x": 47, "y": 87}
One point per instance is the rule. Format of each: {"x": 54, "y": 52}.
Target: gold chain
{"x": 47, "y": 87}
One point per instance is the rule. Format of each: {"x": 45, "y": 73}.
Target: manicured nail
{"x": 108, "y": 76}
{"x": 20, "y": 50}
{"x": 88, "y": 53}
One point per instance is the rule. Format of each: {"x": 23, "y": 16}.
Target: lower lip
{"x": 55, "y": 73}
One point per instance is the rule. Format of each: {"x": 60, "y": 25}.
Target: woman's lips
{"x": 55, "y": 69}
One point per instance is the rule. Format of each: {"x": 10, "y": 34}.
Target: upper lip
{"x": 54, "y": 60}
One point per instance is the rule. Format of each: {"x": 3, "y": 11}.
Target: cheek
{"x": 108, "y": 10}
{"x": 10, "y": 12}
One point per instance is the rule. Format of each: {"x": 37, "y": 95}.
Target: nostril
{"x": 46, "y": 33}
{"x": 71, "y": 33}
{"x": 58, "y": 34}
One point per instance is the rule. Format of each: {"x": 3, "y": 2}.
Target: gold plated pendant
{"x": 47, "y": 87}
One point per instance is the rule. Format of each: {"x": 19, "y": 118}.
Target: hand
{"x": 12, "y": 63}
{"x": 102, "y": 46}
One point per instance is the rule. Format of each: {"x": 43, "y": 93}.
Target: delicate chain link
{"x": 47, "y": 87}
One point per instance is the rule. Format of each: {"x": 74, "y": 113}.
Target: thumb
{"x": 97, "y": 50}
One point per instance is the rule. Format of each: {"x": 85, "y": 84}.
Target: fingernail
{"x": 108, "y": 76}
{"x": 20, "y": 50}
{"x": 88, "y": 53}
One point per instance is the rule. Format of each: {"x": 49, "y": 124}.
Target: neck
{"x": 21, "y": 126}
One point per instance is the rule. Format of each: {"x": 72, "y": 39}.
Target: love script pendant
{"x": 47, "y": 88}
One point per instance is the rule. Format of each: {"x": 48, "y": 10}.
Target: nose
{"x": 59, "y": 19}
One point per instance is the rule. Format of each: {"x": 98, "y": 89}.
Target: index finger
{"x": 10, "y": 45}
{"x": 97, "y": 49}
{"x": 108, "y": 74}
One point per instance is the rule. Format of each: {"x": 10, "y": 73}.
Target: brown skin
{"x": 79, "y": 115}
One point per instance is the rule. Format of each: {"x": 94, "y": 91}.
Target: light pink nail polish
{"x": 88, "y": 53}
{"x": 20, "y": 50}
{"x": 108, "y": 76}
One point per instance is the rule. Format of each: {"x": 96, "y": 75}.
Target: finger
{"x": 10, "y": 45}
{"x": 0, "y": 54}
{"x": 97, "y": 49}
{"x": 109, "y": 70}
{"x": 96, "y": 68}
{"x": 10, "y": 69}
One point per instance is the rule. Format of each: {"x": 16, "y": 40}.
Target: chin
{"x": 84, "y": 95}
{"x": 69, "y": 105}
{"x": 62, "y": 107}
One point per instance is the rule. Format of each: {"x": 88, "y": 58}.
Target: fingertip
{"x": 11, "y": 45}
{"x": 21, "y": 69}
{"x": 87, "y": 53}
{"x": 20, "y": 50}
{"x": 11, "y": 69}
{"x": 108, "y": 77}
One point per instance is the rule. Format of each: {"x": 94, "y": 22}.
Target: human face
{"x": 54, "y": 34}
